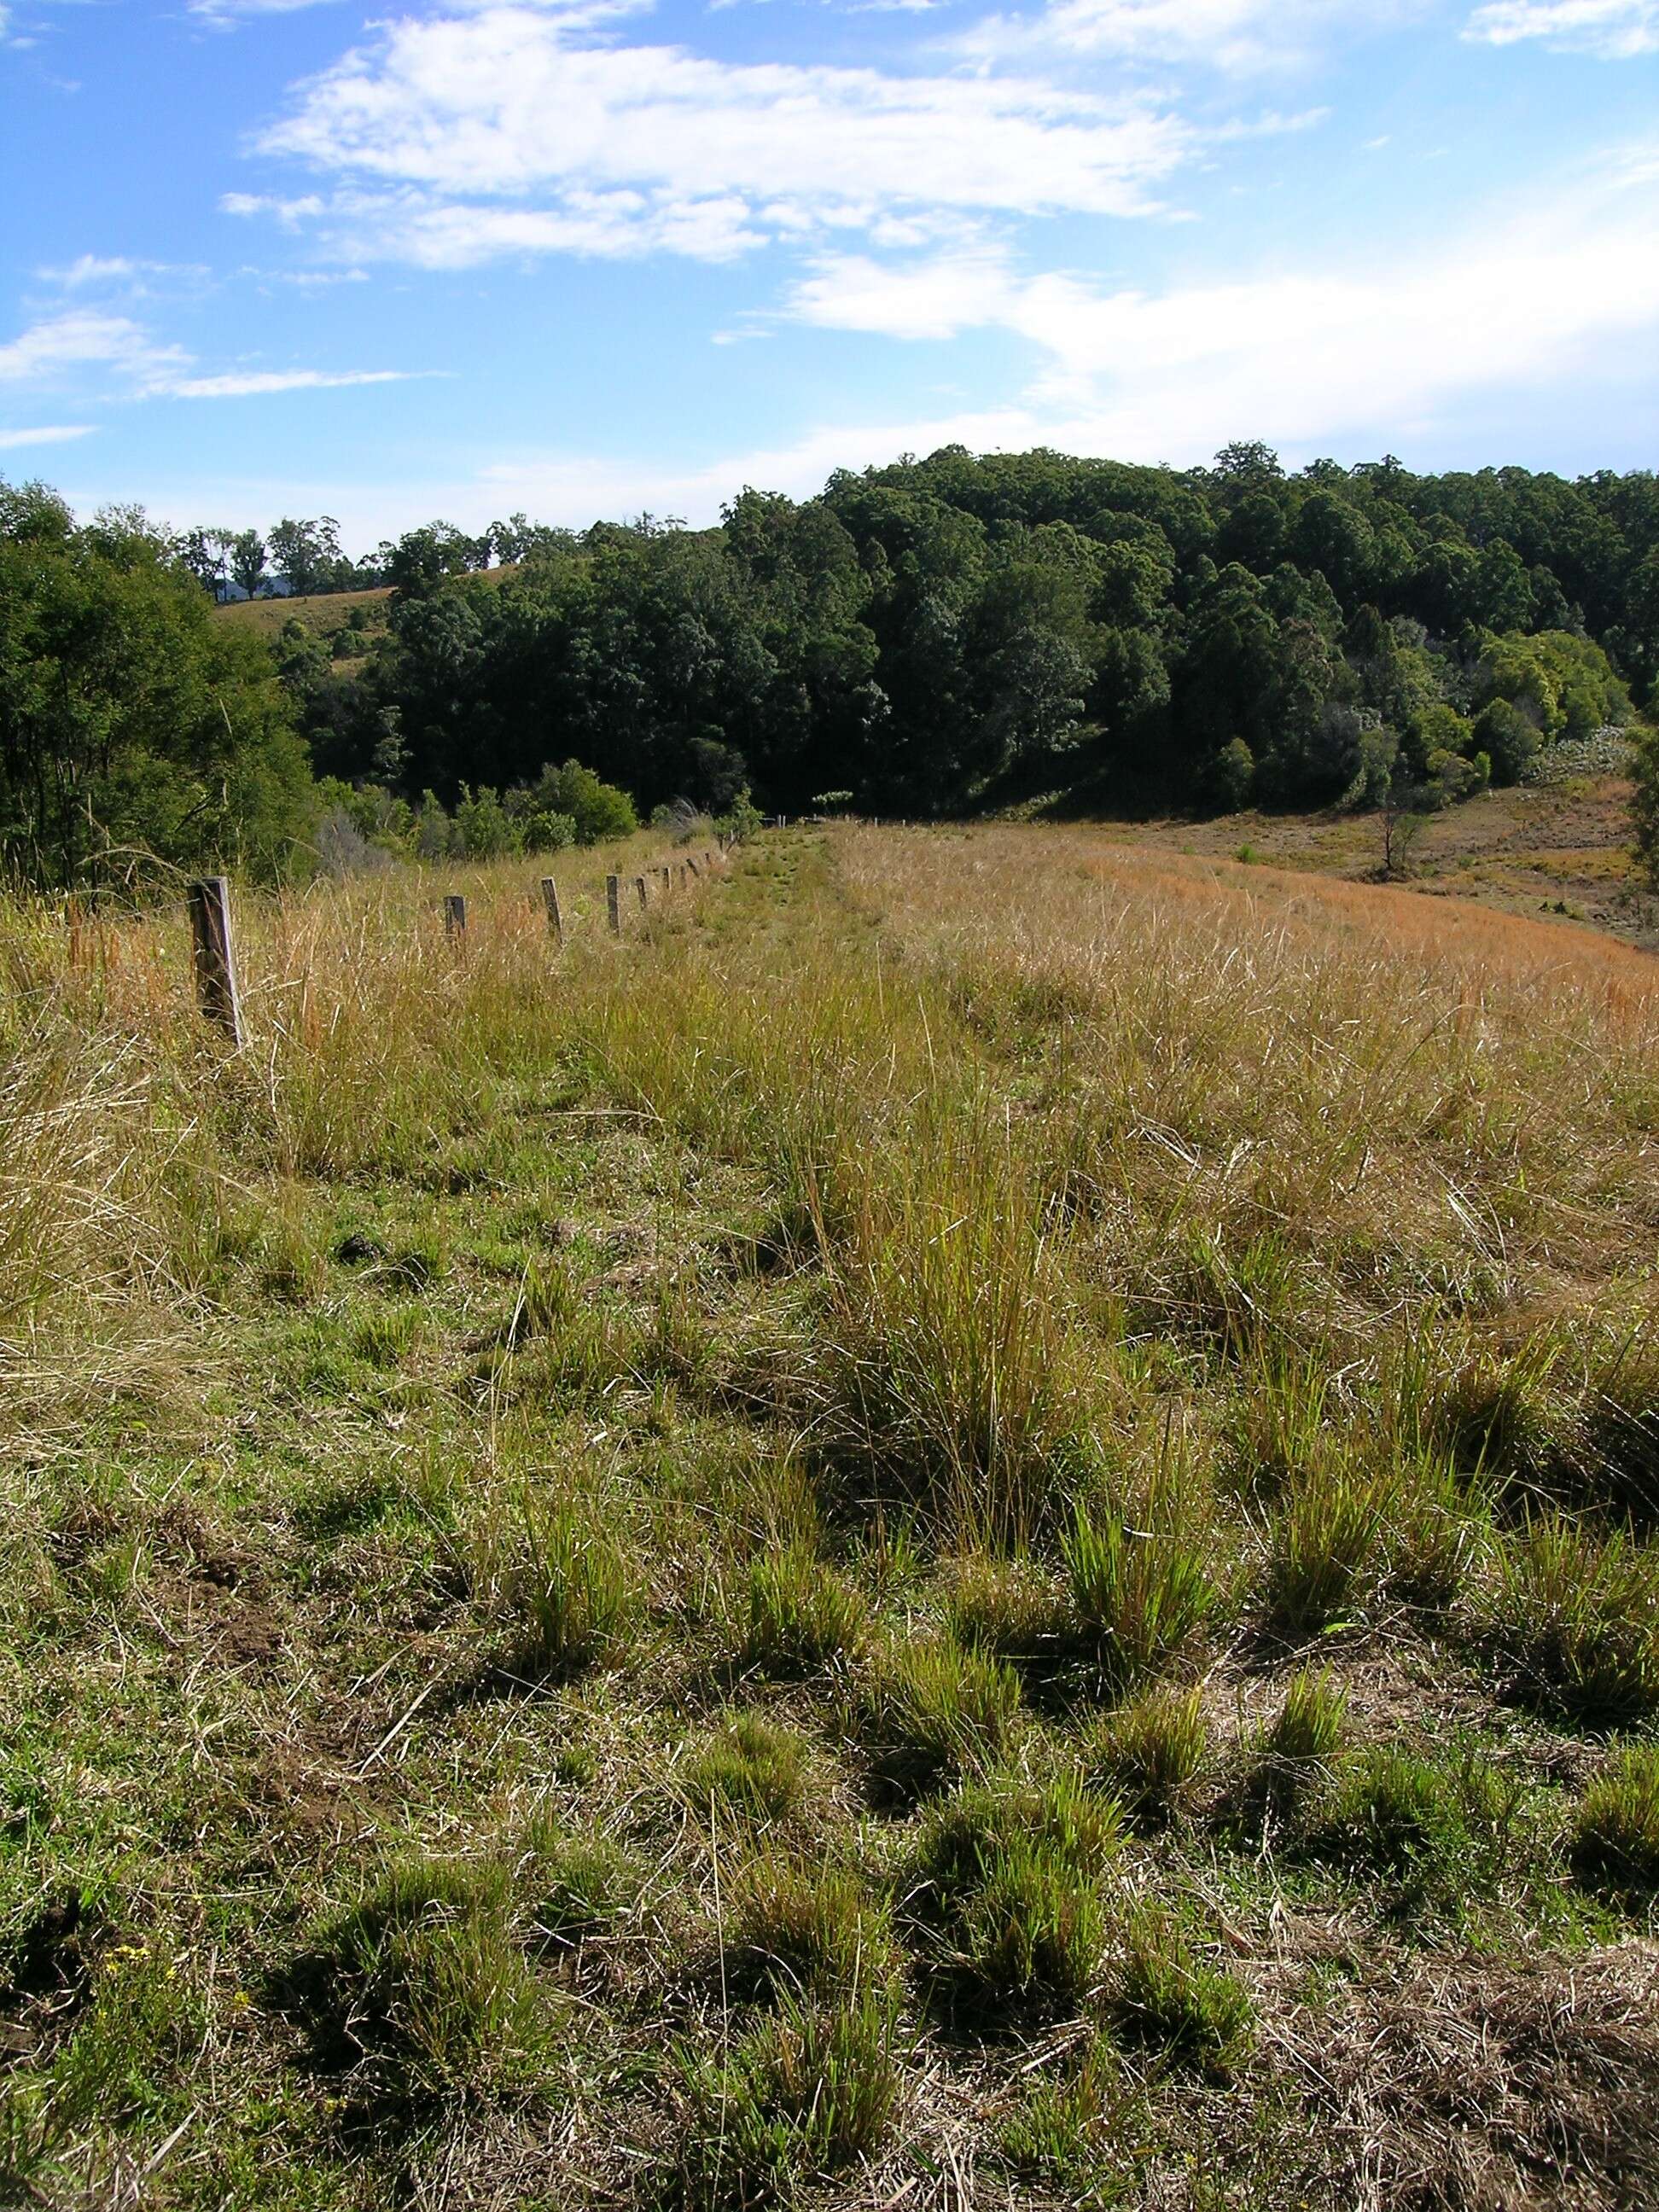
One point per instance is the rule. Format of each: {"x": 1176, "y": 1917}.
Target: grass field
{"x": 973, "y": 1525}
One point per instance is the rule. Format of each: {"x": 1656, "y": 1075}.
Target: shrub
{"x": 751, "y": 1766}
{"x": 1616, "y": 1835}
{"x": 1151, "y": 1751}
{"x": 932, "y": 1711}
{"x": 598, "y": 810}
{"x": 1322, "y": 1543}
{"x": 1008, "y": 1888}
{"x": 1165, "y": 1993}
{"x": 1139, "y": 1601}
{"x": 800, "y": 1613}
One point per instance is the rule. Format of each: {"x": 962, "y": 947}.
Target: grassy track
{"x": 973, "y": 1526}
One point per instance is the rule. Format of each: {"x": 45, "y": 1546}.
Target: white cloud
{"x": 289, "y": 213}
{"x": 49, "y": 433}
{"x": 256, "y": 383}
{"x": 1562, "y": 287}
{"x": 609, "y": 148}
{"x": 1615, "y": 30}
{"x": 81, "y": 339}
{"x": 1237, "y": 38}
{"x": 222, "y": 13}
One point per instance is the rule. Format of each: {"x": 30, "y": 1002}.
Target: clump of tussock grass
{"x": 1166, "y": 1993}
{"x": 577, "y": 1883}
{"x": 1439, "y": 1830}
{"x": 1325, "y": 1536}
{"x": 420, "y": 1988}
{"x": 570, "y": 1586}
{"x": 749, "y": 1767}
{"x": 1576, "y": 1616}
{"x": 800, "y": 2097}
{"x": 1151, "y": 1753}
{"x": 1065, "y": 2119}
{"x": 805, "y": 1928}
{"x": 1251, "y": 1301}
{"x": 1615, "y": 1840}
{"x": 1008, "y": 1606}
{"x": 1007, "y": 1893}
{"x": 1309, "y": 1728}
{"x": 800, "y": 1614}
{"x": 952, "y": 1378}
{"x": 929, "y": 1710}
{"x": 1140, "y": 1599}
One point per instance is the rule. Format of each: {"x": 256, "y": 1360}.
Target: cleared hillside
{"x": 972, "y": 1523}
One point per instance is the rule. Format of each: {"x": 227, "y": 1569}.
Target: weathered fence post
{"x": 640, "y": 886}
{"x": 550, "y": 900}
{"x": 692, "y": 865}
{"x": 613, "y": 904}
{"x": 667, "y": 878}
{"x": 454, "y": 917}
{"x": 215, "y": 959}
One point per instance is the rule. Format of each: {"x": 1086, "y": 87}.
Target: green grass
{"x": 785, "y": 1561}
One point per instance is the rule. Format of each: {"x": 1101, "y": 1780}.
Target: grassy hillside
{"x": 1562, "y": 848}
{"x": 324, "y": 612}
{"x": 971, "y": 1525}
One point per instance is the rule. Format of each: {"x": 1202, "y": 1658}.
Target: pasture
{"x": 970, "y": 1524}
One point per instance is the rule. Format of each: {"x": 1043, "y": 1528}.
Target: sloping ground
{"x": 323, "y": 611}
{"x": 969, "y": 1527}
{"x": 1562, "y": 850}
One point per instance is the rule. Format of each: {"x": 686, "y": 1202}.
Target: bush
{"x": 1616, "y": 1835}
{"x": 1139, "y": 1601}
{"x": 598, "y": 810}
{"x": 1508, "y": 737}
{"x": 932, "y": 1711}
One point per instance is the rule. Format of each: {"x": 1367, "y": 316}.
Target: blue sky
{"x": 263, "y": 257}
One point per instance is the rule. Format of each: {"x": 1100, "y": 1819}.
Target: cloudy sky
{"x": 295, "y": 256}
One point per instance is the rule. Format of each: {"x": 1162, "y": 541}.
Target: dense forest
{"x": 940, "y": 636}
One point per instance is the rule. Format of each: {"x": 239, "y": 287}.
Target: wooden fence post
{"x": 613, "y": 904}
{"x": 667, "y": 878}
{"x": 454, "y": 917}
{"x": 692, "y": 865}
{"x": 217, "y": 993}
{"x": 645, "y": 895}
{"x": 550, "y": 900}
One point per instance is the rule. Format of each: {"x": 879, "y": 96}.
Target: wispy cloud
{"x": 1319, "y": 353}
{"x": 513, "y": 129}
{"x": 1234, "y": 38}
{"x": 47, "y": 433}
{"x": 223, "y": 13}
{"x": 256, "y": 383}
{"x": 1614, "y": 30}
{"x": 61, "y": 347}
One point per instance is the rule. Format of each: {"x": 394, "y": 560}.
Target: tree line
{"x": 946, "y": 635}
